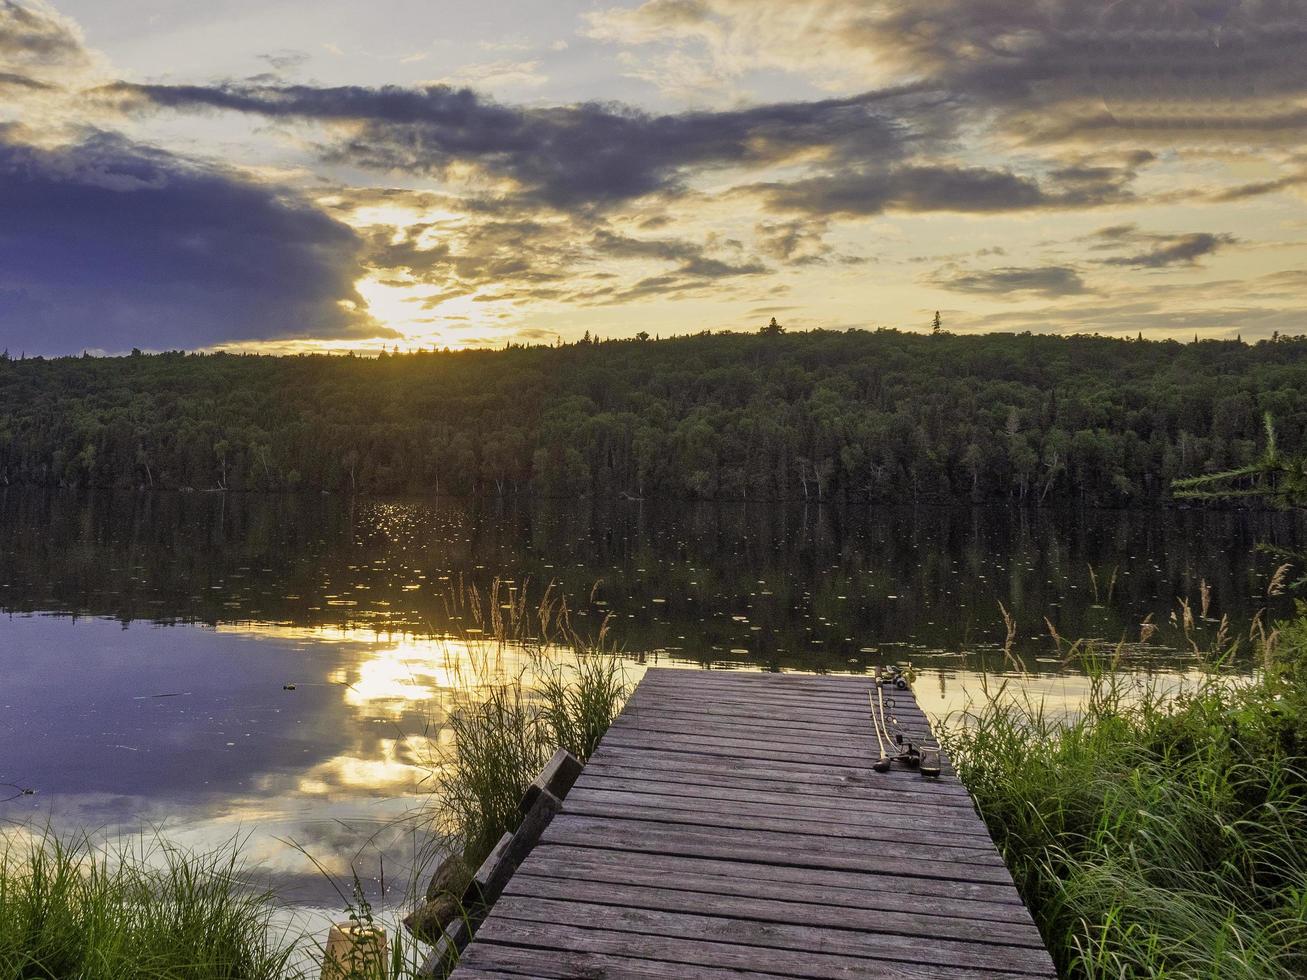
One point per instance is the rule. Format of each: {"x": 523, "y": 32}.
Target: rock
{"x": 355, "y": 950}
{"x": 428, "y": 921}
{"x": 451, "y": 878}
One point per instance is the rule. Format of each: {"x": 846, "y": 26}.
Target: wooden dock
{"x": 730, "y": 825}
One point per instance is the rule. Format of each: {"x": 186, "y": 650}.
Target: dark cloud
{"x": 1043, "y": 72}
{"x": 941, "y": 187}
{"x": 13, "y": 80}
{"x": 1090, "y": 182}
{"x": 1297, "y": 178}
{"x": 676, "y": 13}
{"x": 697, "y": 276}
{"x": 589, "y": 154}
{"x": 800, "y": 242}
{"x": 617, "y": 246}
{"x": 1052, "y": 280}
{"x": 865, "y": 154}
{"x": 704, "y": 267}
{"x": 1069, "y": 66}
{"x": 693, "y": 259}
{"x": 1154, "y": 251}
{"x": 1116, "y": 233}
{"x": 108, "y": 244}
{"x": 35, "y": 36}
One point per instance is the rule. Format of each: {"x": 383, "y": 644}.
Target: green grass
{"x": 1155, "y": 834}
{"x": 503, "y": 738}
{"x": 505, "y": 732}
{"x": 500, "y": 744}
{"x": 74, "y": 909}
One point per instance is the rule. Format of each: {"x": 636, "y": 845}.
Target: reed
{"x": 1157, "y": 832}
{"x": 566, "y": 693}
{"x": 140, "y": 909}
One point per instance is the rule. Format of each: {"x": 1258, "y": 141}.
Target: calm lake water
{"x": 147, "y": 642}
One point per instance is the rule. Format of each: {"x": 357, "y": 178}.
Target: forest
{"x": 851, "y": 416}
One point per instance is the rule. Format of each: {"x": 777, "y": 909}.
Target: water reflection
{"x": 325, "y": 737}
{"x": 283, "y": 668}
{"x": 792, "y": 586}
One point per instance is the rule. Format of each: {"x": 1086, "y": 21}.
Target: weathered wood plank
{"x": 922, "y": 832}
{"x": 816, "y": 885}
{"x": 536, "y": 962}
{"x": 760, "y": 686}
{"x": 913, "y": 950}
{"x": 780, "y": 769}
{"x": 706, "y": 786}
{"x": 689, "y": 957}
{"x": 779, "y": 717}
{"x": 731, "y": 825}
{"x": 862, "y": 746}
{"x": 903, "y": 920}
{"x": 742, "y": 748}
{"x": 695, "y": 776}
{"x": 752, "y": 846}
{"x": 803, "y": 688}
{"x": 872, "y": 812}
{"x": 768, "y": 848}
{"x": 650, "y": 706}
{"x": 794, "y": 707}
{"x": 556, "y": 778}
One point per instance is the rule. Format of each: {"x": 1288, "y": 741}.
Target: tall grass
{"x": 568, "y": 693}
{"x": 1156, "y": 833}
{"x": 74, "y": 909}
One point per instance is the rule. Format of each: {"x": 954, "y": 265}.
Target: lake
{"x": 279, "y": 668}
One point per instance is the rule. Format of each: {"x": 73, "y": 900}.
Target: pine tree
{"x": 1276, "y": 477}
{"x": 937, "y": 324}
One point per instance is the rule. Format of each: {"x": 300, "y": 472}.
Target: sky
{"x": 286, "y": 175}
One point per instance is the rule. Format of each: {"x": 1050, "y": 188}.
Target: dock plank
{"x": 730, "y": 825}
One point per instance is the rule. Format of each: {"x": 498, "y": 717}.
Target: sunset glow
{"x": 474, "y": 175}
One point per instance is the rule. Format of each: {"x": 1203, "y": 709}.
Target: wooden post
{"x": 558, "y": 775}
{"x": 540, "y": 803}
{"x": 491, "y": 877}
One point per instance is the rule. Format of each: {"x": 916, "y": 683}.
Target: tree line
{"x": 823, "y": 415}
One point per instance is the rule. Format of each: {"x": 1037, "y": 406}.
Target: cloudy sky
{"x": 309, "y": 174}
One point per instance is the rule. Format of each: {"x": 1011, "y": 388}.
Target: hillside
{"x": 833, "y": 415}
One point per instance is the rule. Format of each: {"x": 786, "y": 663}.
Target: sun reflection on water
{"x": 328, "y": 738}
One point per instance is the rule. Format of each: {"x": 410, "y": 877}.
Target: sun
{"x": 456, "y": 323}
